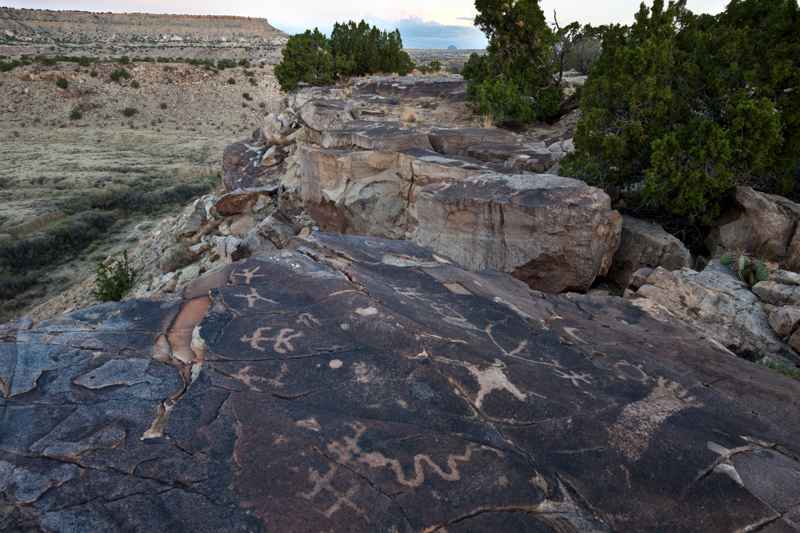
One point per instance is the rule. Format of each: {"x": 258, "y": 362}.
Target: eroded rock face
{"x": 357, "y": 384}
{"x": 368, "y": 162}
{"x": 554, "y": 233}
{"x": 642, "y": 245}
{"x": 763, "y": 225}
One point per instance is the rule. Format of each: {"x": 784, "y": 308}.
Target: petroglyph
{"x": 325, "y": 484}
{"x": 453, "y": 317}
{"x": 634, "y": 429}
{"x": 347, "y": 451}
{"x": 366, "y": 311}
{"x": 627, "y": 371}
{"x": 249, "y": 274}
{"x": 309, "y": 423}
{"x": 246, "y": 377}
{"x": 308, "y": 320}
{"x": 573, "y": 332}
{"x": 513, "y": 353}
{"x": 574, "y": 377}
{"x": 253, "y": 297}
{"x": 490, "y": 379}
{"x": 281, "y": 343}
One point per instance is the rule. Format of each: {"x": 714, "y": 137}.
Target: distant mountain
{"x": 35, "y": 25}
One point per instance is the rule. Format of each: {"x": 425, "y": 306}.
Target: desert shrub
{"x": 114, "y": 279}
{"x": 12, "y": 285}
{"x": 61, "y": 83}
{"x": 135, "y": 84}
{"x": 686, "y": 107}
{"x": 119, "y": 74}
{"x": 354, "y": 49}
{"x": 430, "y": 68}
{"x": 519, "y": 63}
{"x": 124, "y": 60}
{"x": 162, "y": 106}
{"x": 786, "y": 370}
{"x": 247, "y": 97}
{"x": 244, "y": 63}
{"x": 76, "y": 113}
{"x": 231, "y": 81}
{"x": 93, "y": 73}
{"x": 222, "y": 64}
{"x": 130, "y": 111}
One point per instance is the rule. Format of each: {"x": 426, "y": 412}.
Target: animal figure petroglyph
{"x": 634, "y": 429}
{"x": 246, "y": 377}
{"x": 249, "y": 274}
{"x": 282, "y": 342}
{"x": 252, "y": 297}
{"x": 490, "y": 379}
{"x": 347, "y": 451}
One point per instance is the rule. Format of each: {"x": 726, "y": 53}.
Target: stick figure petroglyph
{"x": 513, "y": 353}
{"x": 282, "y": 342}
{"x": 252, "y": 297}
{"x": 249, "y": 274}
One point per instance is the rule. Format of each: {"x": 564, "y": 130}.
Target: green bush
{"x": 115, "y": 279}
{"x": 76, "y": 113}
{"x": 307, "y": 59}
{"x": 685, "y": 107}
{"x": 129, "y": 111}
{"x": 231, "y": 81}
{"x": 120, "y": 74}
{"x": 750, "y": 271}
{"x": 124, "y": 60}
{"x": 515, "y": 81}
{"x": 354, "y": 49}
{"x": 135, "y": 84}
{"x": 61, "y": 83}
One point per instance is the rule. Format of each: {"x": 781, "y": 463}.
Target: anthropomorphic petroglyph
{"x": 637, "y": 424}
{"x": 253, "y": 297}
{"x": 282, "y": 343}
{"x": 249, "y": 274}
{"x": 324, "y": 484}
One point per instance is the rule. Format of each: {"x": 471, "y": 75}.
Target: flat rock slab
{"x": 555, "y": 233}
{"x": 359, "y": 384}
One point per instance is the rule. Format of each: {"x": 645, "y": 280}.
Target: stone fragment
{"x": 646, "y": 245}
{"x": 784, "y": 320}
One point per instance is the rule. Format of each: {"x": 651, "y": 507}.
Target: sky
{"x": 423, "y": 23}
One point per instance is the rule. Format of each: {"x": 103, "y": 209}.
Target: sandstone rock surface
{"x": 718, "y": 305}
{"x": 356, "y": 384}
{"x": 643, "y": 244}
{"x": 468, "y": 192}
{"x": 555, "y": 233}
{"x": 762, "y": 225}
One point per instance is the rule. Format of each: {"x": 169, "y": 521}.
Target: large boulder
{"x": 646, "y": 245}
{"x": 357, "y": 384}
{"x": 717, "y": 304}
{"x": 762, "y": 225}
{"x": 556, "y": 234}
{"x": 325, "y": 114}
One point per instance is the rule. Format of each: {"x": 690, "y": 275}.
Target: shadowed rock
{"x": 358, "y": 384}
